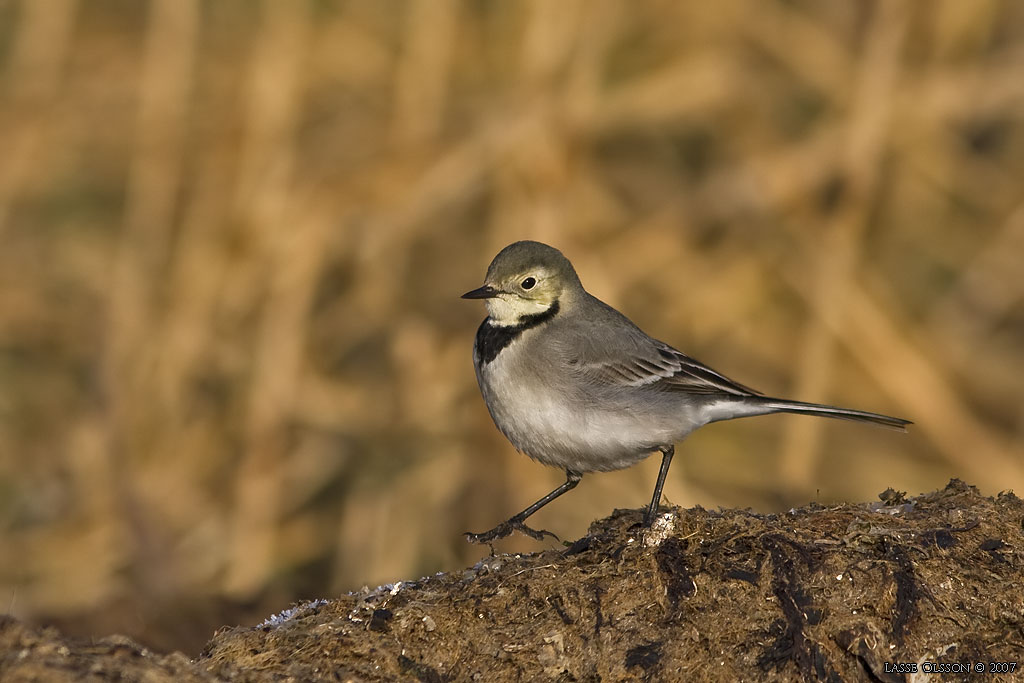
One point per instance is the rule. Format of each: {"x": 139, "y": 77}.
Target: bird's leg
{"x": 516, "y": 522}
{"x": 666, "y": 460}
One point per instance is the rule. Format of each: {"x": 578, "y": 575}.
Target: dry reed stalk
{"x": 868, "y": 128}
{"x": 35, "y": 72}
{"x": 422, "y": 74}
{"x": 290, "y": 251}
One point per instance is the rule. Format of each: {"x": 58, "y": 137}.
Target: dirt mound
{"x": 42, "y": 654}
{"x": 850, "y": 592}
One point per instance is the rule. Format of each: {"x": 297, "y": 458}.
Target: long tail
{"x": 762, "y": 405}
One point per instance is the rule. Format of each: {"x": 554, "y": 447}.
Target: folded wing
{"x": 659, "y": 366}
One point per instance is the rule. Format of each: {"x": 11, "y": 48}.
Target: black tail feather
{"x": 801, "y": 408}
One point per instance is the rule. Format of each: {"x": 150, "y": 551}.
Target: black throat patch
{"x": 491, "y": 338}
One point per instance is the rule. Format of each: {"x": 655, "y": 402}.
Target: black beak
{"x": 485, "y": 292}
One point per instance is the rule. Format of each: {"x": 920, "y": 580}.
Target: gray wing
{"x": 630, "y": 358}
{"x": 661, "y": 367}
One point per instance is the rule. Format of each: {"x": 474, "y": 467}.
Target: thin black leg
{"x": 666, "y": 460}
{"x": 515, "y": 523}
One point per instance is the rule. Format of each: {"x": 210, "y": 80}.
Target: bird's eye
{"x": 528, "y": 283}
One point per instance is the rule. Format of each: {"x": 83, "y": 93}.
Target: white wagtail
{"x": 575, "y": 384}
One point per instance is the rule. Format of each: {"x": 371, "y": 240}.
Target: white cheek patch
{"x": 508, "y": 309}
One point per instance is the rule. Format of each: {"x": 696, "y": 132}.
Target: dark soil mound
{"x": 851, "y": 592}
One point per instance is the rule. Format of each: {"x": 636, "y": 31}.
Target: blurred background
{"x": 234, "y": 367}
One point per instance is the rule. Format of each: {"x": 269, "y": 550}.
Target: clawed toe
{"x": 538, "y": 534}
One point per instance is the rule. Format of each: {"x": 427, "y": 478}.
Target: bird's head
{"x": 526, "y": 278}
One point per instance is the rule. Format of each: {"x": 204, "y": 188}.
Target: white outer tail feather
{"x": 749, "y": 406}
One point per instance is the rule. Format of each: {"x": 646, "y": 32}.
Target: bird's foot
{"x": 505, "y": 529}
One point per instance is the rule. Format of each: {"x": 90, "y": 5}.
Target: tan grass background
{"x": 234, "y": 368}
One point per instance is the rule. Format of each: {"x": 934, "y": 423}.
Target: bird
{"x": 575, "y": 384}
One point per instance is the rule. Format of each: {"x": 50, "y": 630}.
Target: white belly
{"x": 571, "y": 434}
